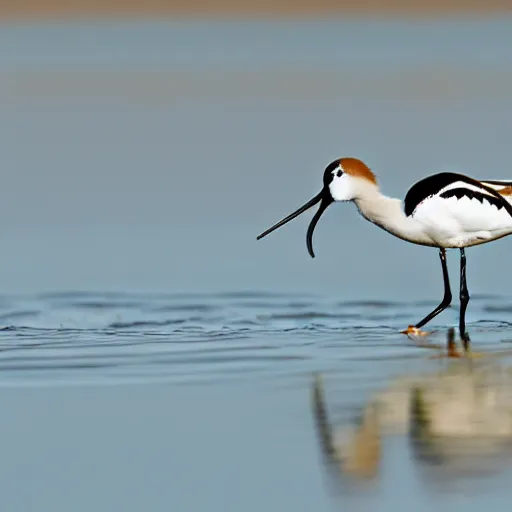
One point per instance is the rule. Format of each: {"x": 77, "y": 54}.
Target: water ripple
{"x": 185, "y": 337}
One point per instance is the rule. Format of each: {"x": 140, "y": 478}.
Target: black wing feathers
{"x": 433, "y": 184}
{"x": 473, "y": 194}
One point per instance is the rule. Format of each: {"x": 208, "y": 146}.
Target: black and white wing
{"x": 461, "y": 201}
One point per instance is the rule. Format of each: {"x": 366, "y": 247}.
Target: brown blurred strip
{"x": 52, "y": 9}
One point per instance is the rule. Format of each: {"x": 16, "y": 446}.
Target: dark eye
{"x": 339, "y": 173}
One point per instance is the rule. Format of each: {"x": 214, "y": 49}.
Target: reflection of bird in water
{"x": 461, "y": 414}
{"x": 445, "y": 211}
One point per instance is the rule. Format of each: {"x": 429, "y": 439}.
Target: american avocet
{"x": 446, "y": 210}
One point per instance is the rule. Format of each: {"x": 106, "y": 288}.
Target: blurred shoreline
{"x": 52, "y": 9}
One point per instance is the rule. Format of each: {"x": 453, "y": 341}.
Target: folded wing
{"x": 458, "y": 203}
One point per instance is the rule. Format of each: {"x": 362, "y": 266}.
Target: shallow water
{"x": 203, "y": 401}
{"x": 189, "y": 338}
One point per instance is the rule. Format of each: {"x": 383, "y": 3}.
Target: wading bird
{"x": 445, "y": 210}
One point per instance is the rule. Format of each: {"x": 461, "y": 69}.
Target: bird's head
{"x": 343, "y": 180}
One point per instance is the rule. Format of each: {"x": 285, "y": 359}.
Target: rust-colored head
{"x": 357, "y": 168}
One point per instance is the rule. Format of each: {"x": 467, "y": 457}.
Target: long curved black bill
{"x": 325, "y": 199}
{"x": 292, "y": 216}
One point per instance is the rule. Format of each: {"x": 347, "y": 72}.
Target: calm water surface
{"x": 203, "y": 401}
{"x": 215, "y": 338}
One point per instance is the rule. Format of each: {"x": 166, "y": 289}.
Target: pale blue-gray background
{"x": 148, "y": 156}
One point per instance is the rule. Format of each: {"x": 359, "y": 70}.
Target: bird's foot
{"x": 415, "y": 334}
{"x": 414, "y": 331}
